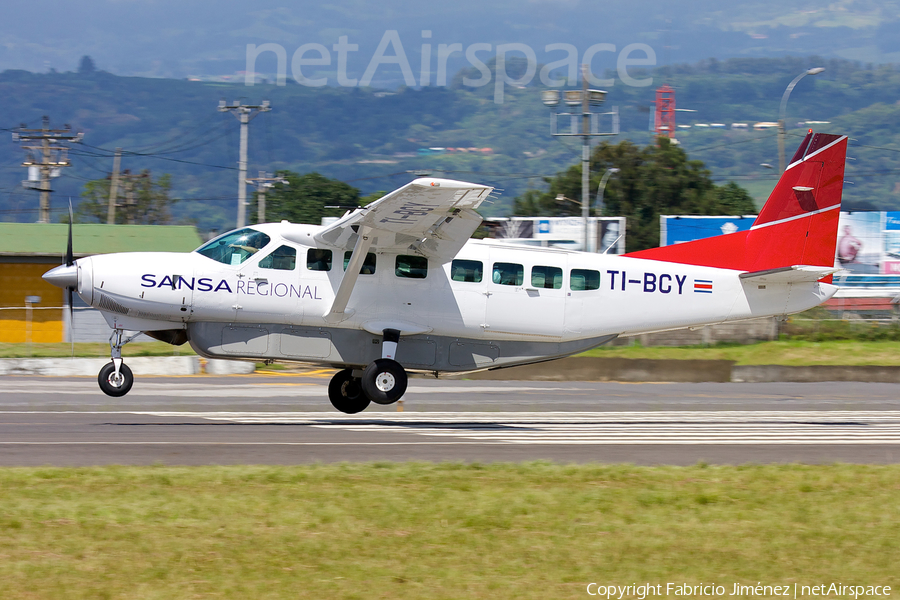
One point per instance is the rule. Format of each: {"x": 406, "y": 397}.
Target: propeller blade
{"x": 70, "y": 293}
{"x": 70, "y": 259}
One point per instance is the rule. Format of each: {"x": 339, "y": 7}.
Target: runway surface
{"x": 280, "y": 419}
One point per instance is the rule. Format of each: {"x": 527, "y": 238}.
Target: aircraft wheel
{"x": 112, "y": 386}
{"x": 384, "y": 381}
{"x": 346, "y": 393}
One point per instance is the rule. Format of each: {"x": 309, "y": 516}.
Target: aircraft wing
{"x": 794, "y": 274}
{"x": 430, "y": 217}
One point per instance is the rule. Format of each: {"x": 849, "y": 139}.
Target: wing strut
{"x": 337, "y": 312}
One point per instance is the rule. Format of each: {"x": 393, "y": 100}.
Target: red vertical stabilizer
{"x": 797, "y": 225}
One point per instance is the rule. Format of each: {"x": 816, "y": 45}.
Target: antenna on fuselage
{"x": 613, "y": 244}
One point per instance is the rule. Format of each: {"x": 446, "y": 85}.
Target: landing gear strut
{"x": 115, "y": 378}
{"x": 382, "y": 382}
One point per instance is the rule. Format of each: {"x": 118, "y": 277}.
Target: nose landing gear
{"x": 115, "y": 378}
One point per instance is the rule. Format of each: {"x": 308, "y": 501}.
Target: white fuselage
{"x": 539, "y": 294}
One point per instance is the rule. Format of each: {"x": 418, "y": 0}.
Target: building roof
{"x": 49, "y": 239}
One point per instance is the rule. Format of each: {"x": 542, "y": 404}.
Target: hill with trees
{"x": 376, "y": 140}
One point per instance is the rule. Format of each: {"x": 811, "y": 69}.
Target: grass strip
{"x": 784, "y": 352}
{"x": 91, "y": 350}
{"x": 423, "y": 530}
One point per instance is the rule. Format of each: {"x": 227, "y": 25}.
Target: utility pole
{"x": 46, "y": 151}
{"x": 244, "y": 113}
{"x": 129, "y": 196}
{"x": 584, "y": 98}
{"x": 263, "y": 183}
{"x": 114, "y": 189}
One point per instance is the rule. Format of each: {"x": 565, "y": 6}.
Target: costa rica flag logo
{"x": 703, "y": 286}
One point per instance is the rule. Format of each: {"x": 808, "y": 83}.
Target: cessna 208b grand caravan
{"x": 399, "y": 287}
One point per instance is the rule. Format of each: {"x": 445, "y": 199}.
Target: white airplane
{"x": 399, "y": 287}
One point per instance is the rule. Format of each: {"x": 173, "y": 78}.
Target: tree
{"x": 86, "y": 66}
{"x": 141, "y": 200}
{"x": 304, "y": 198}
{"x": 652, "y": 181}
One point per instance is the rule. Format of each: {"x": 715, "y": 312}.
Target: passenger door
{"x": 268, "y": 288}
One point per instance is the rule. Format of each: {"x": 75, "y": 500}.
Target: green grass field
{"x": 417, "y": 530}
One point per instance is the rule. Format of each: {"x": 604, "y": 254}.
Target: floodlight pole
{"x": 585, "y": 155}
{"x": 585, "y": 97}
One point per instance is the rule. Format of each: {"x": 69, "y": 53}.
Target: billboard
{"x": 868, "y": 242}
{"x": 861, "y": 242}
{"x": 605, "y": 234}
{"x": 676, "y": 229}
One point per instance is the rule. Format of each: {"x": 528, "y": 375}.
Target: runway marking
{"x": 641, "y": 428}
{"x": 557, "y": 428}
{"x": 152, "y": 443}
{"x": 261, "y": 390}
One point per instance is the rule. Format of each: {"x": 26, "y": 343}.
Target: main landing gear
{"x": 115, "y": 378}
{"x": 382, "y": 382}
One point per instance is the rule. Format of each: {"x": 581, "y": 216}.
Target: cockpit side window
{"x": 235, "y": 247}
{"x": 284, "y": 258}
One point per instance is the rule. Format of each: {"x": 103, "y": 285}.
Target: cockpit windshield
{"x": 234, "y": 247}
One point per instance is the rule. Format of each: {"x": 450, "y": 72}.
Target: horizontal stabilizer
{"x": 794, "y": 274}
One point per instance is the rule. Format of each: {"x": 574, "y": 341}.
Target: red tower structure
{"x": 665, "y": 111}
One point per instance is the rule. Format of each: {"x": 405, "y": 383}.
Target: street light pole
{"x": 781, "y": 113}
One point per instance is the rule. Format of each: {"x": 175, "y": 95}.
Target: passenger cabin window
{"x": 548, "y": 278}
{"x": 584, "y": 279}
{"x": 318, "y": 260}
{"x": 235, "y": 247}
{"x": 470, "y": 271}
{"x": 368, "y": 266}
{"x": 284, "y": 258}
{"x": 413, "y": 267}
{"x": 508, "y": 274}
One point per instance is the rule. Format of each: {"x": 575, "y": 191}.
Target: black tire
{"x": 112, "y": 388}
{"x": 384, "y": 381}
{"x": 346, "y": 394}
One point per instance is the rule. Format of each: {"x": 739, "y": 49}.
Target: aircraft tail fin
{"x": 796, "y": 226}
